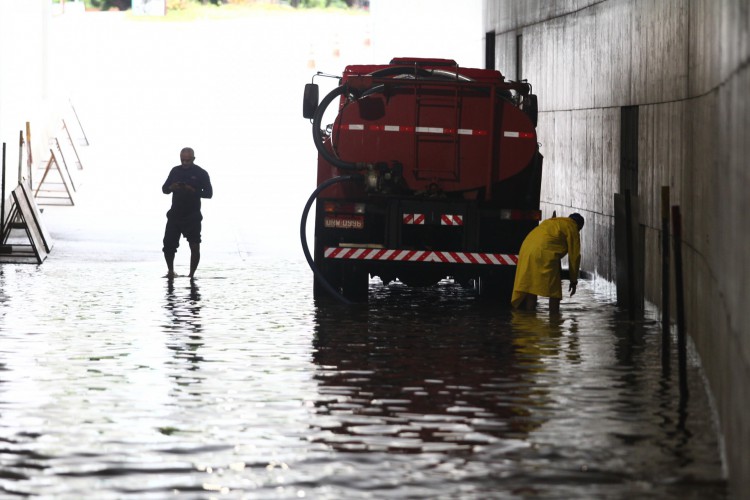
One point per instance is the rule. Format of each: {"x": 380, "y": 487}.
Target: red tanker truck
{"x": 428, "y": 171}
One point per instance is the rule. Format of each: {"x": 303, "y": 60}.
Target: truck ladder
{"x": 437, "y": 116}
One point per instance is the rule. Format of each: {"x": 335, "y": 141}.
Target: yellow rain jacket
{"x": 538, "y": 270}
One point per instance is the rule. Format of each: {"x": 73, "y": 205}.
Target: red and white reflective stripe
{"x": 451, "y": 220}
{"x": 492, "y": 259}
{"x": 417, "y": 219}
{"x": 512, "y": 134}
{"x": 468, "y": 131}
{"x": 495, "y": 259}
{"x": 409, "y": 129}
{"x": 518, "y": 135}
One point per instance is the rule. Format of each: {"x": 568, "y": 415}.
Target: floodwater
{"x": 116, "y": 383}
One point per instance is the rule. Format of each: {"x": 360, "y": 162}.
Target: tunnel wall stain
{"x": 684, "y": 63}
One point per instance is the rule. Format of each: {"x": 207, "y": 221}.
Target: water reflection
{"x": 184, "y": 309}
{"x": 633, "y": 339}
{"x": 574, "y": 398}
{"x": 184, "y": 328}
{"x": 536, "y": 336}
{"x": 436, "y": 371}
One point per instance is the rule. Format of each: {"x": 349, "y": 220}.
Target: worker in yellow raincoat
{"x": 538, "y": 269}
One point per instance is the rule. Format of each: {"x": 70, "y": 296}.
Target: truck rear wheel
{"x": 329, "y": 274}
{"x": 355, "y": 282}
{"x": 420, "y": 280}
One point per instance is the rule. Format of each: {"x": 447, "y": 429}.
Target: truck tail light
{"x": 335, "y": 207}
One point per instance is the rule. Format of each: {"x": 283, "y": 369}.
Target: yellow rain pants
{"x": 538, "y": 270}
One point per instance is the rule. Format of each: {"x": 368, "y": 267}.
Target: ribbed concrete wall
{"x": 684, "y": 63}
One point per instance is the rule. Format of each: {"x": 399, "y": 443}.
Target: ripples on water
{"x": 115, "y": 383}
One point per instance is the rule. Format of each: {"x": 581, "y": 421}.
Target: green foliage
{"x": 321, "y": 4}
{"x": 108, "y": 4}
{"x": 178, "y": 5}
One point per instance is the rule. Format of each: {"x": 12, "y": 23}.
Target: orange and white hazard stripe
{"x": 413, "y": 219}
{"x": 451, "y": 220}
{"x": 392, "y": 255}
{"x": 445, "y": 219}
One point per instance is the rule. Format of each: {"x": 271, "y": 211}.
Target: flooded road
{"x": 116, "y": 383}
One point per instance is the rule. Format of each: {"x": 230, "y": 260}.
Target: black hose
{"x": 402, "y": 70}
{"x": 303, "y": 235}
{"x": 318, "y": 135}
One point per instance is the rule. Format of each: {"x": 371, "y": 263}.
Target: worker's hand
{"x": 572, "y": 287}
{"x": 176, "y": 186}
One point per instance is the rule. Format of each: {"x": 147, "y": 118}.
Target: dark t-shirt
{"x": 183, "y": 202}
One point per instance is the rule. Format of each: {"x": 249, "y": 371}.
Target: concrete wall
{"x": 24, "y": 79}
{"x": 684, "y": 63}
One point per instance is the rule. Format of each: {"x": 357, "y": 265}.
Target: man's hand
{"x": 572, "y": 287}
{"x": 181, "y": 186}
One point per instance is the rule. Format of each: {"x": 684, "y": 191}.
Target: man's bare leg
{"x": 554, "y": 305}
{"x": 195, "y": 257}
{"x": 169, "y": 258}
{"x": 529, "y": 302}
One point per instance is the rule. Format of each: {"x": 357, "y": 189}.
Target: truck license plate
{"x": 344, "y": 222}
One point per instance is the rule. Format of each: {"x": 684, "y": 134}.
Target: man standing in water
{"x": 538, "y": 270}
{"x": 188, "y": 183}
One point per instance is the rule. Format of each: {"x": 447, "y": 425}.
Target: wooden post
{"x": 630, "y": 254}
{"x": 621, "y": 265}
{"x": 681, "y": 339}
{"x": 20, "y": 156}
{"x": 665, "y": 305}
{"x": 2, "y": 201}
{"x": 29, "y": 158}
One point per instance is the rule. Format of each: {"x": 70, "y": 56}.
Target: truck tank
{"x": 429, "y": 170}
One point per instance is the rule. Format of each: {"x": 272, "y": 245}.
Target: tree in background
{"x": 308, "y": 4}
{"x": 108, "y": 4}
{"x": 312, "y": 4}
